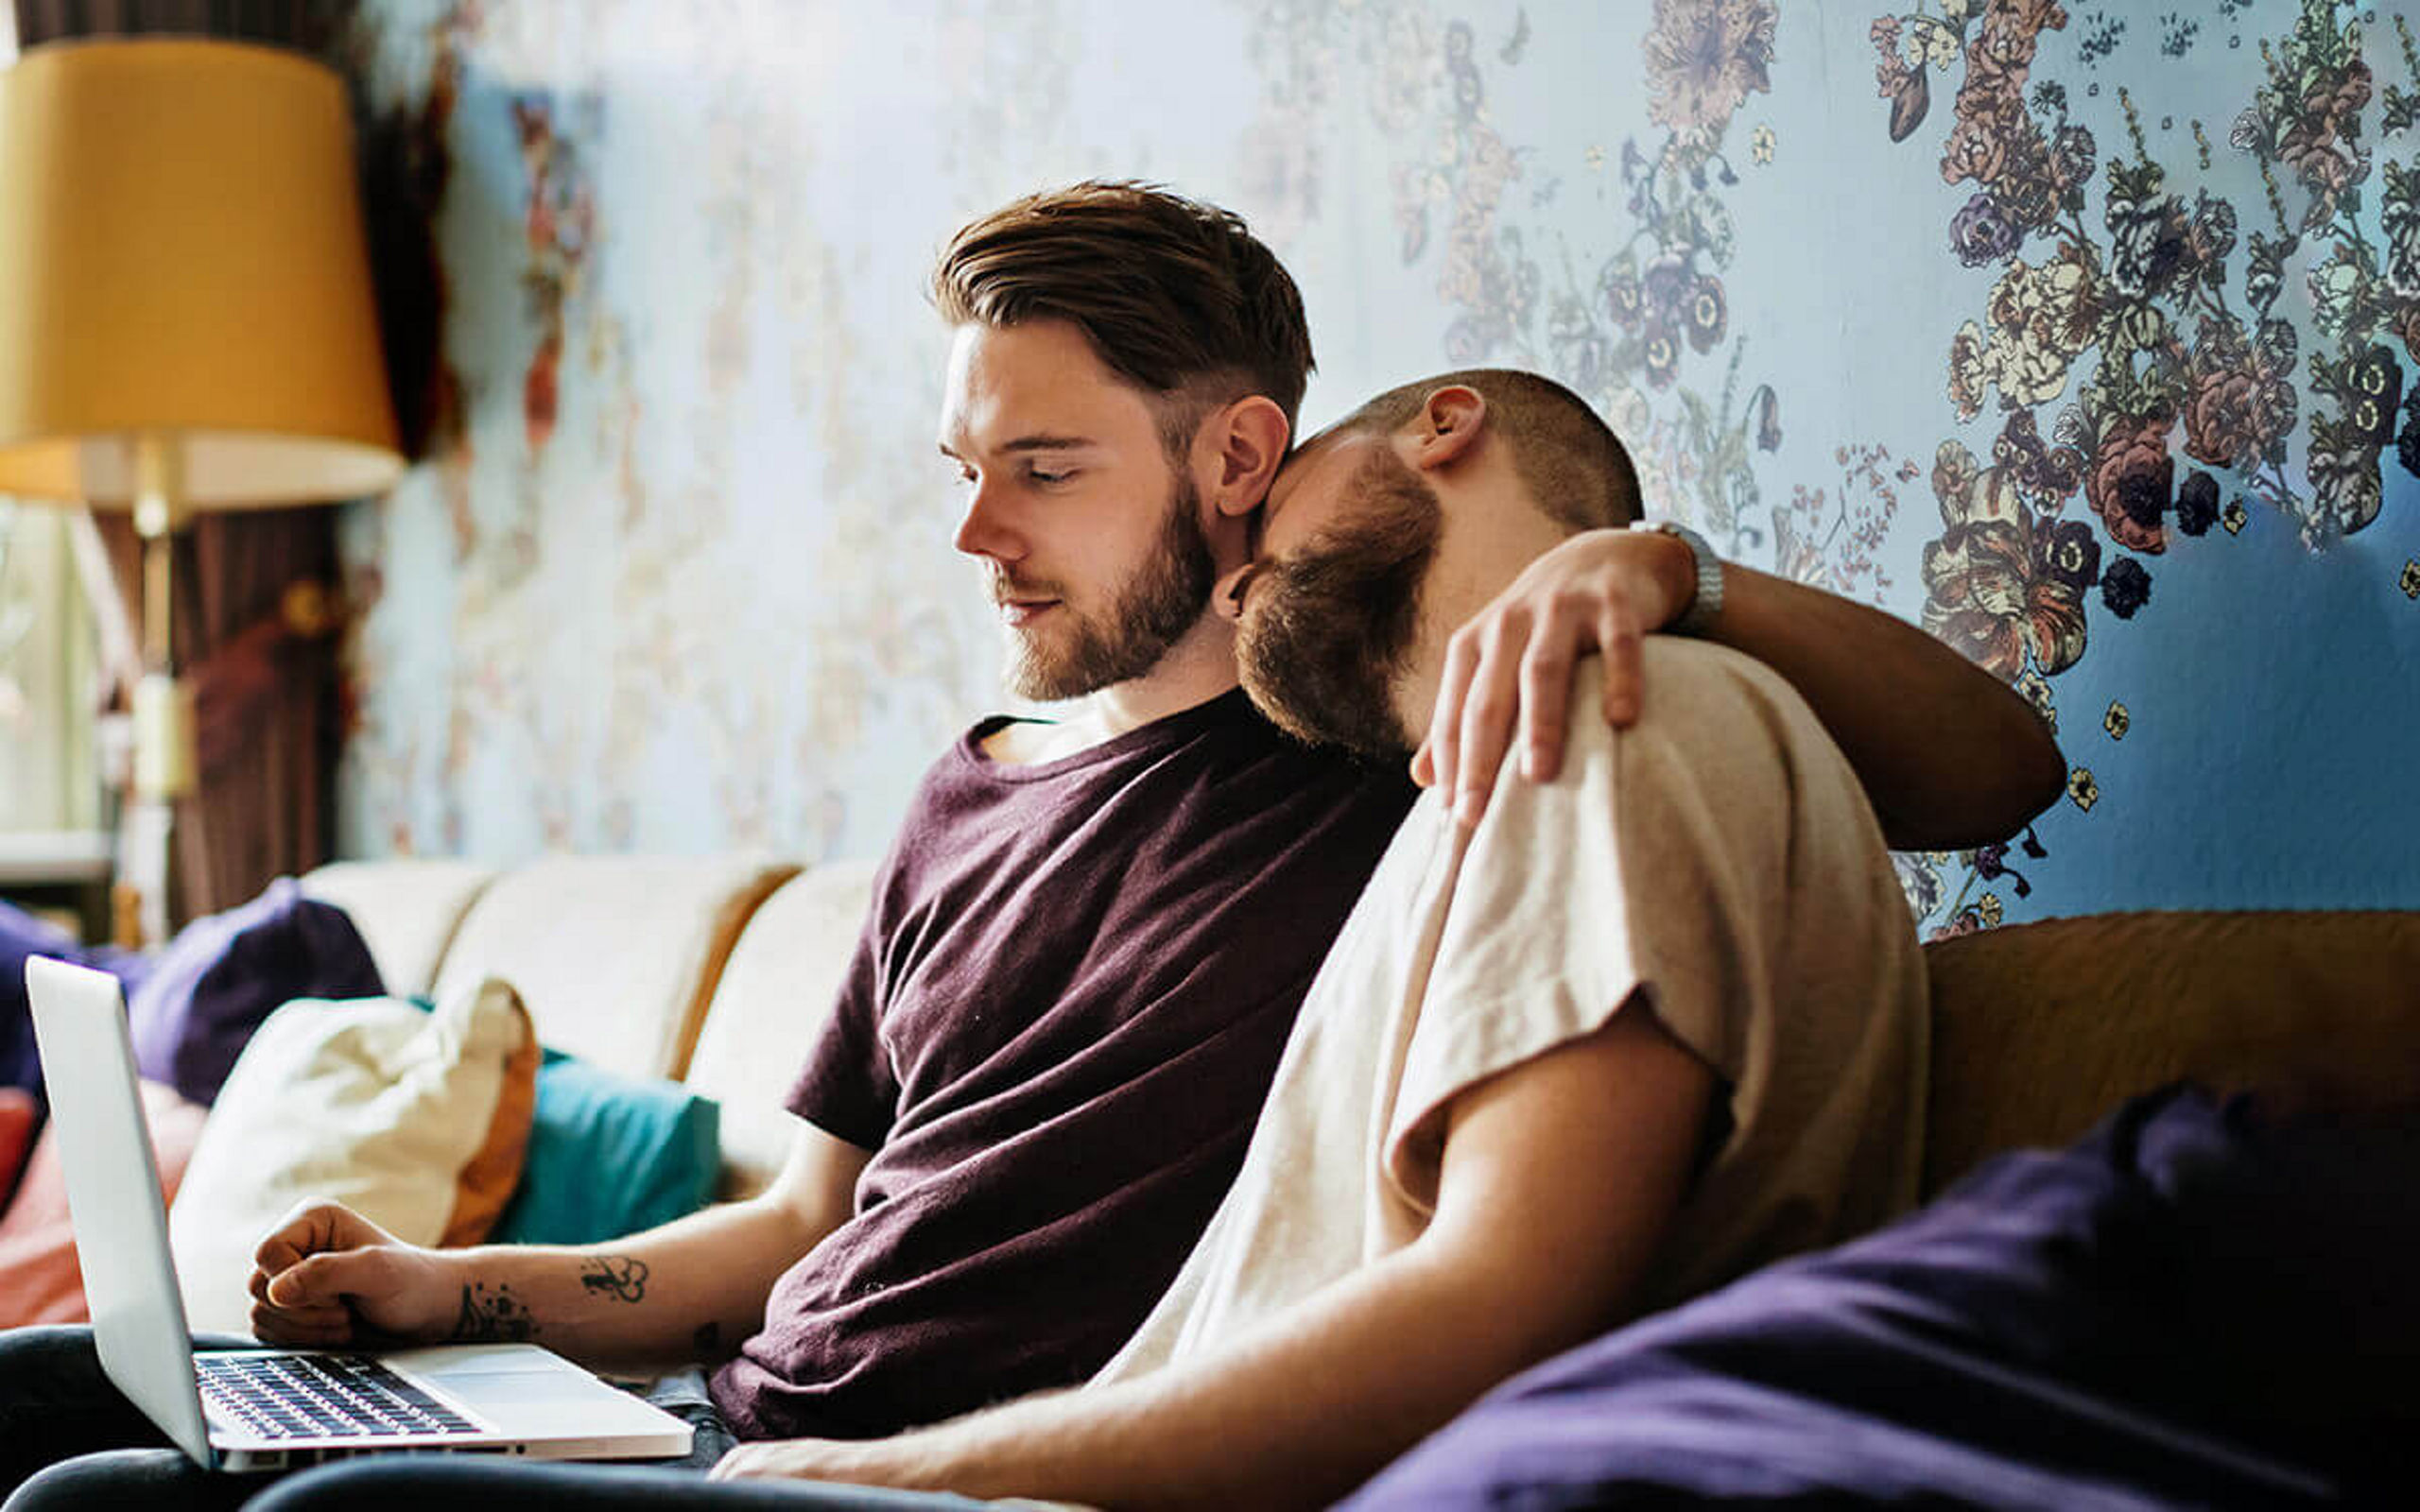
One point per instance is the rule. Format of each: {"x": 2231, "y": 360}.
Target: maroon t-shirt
{"x": 1060, "y": 1021}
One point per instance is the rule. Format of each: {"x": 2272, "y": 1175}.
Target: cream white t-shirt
{"x": 1718, "y": 863}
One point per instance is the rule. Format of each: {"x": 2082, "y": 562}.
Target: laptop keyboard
{"x": 319, "y": 1396}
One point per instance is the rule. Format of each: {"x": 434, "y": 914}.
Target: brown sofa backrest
{"x": 2039, "y": 1029}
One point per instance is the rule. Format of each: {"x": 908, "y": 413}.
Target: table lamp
{"x": 186, "y": 317}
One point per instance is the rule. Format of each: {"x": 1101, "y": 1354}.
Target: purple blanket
{"x": 22, "y": 935}
{"x": 2188, "y": 1308}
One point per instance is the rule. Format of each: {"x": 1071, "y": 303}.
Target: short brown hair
{"x": 1575, "y": 468}
{"x": 1175, "y": 296}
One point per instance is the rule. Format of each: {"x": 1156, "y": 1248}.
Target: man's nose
{"x": 985, "y": 531}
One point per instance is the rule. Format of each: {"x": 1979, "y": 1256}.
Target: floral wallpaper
{"x": 2085, "y": 336}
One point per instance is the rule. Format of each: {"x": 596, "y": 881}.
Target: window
{"x": 48, "y": 778}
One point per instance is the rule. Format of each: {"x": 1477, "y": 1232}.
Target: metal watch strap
{"x": 1707, "y": 601}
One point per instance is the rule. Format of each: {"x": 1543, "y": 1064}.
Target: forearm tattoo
{"x": 614, "y": 1275}
{"x": 492, "y": 1316}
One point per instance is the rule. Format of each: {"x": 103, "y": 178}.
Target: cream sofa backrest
{"x": 718, "y": 969}
{"x": 775, "y": 992}
{"x": 616, "y": 957}
{"x": 406, "y": 910}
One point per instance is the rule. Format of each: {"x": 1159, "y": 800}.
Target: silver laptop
{"x": 271, "y": 1409}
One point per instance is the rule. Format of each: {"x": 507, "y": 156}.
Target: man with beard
{"x": 1086, "y": 948}
{"x": 1642, "y": 1030}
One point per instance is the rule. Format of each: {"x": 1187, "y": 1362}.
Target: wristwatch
{"x": 1707, "y": 601}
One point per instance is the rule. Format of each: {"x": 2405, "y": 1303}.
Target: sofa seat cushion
{"x": 417, "y": 1120}
{"x": 615, "y": 957}
{"x": 773, "y": 998}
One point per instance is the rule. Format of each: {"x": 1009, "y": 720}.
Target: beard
{"x": 1328, "y": 632}
{"x": 1150, "y": 612}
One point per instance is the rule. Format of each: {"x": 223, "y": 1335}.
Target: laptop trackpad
{"x": 520, "y": 1388}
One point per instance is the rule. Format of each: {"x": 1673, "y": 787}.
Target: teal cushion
{"x": 609, "y": 1156}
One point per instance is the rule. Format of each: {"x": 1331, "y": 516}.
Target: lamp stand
{"x": 163, "y": 760}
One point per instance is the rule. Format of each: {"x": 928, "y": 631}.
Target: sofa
{"x": 716, "y": 971}
{"x": 714, "y": 974}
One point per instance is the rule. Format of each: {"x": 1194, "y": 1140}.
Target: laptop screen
{"x": 114, "y": 1199}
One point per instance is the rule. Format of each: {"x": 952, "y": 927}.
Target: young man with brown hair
{"x": 1087, "y": 946}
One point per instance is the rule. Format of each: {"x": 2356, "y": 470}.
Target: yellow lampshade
{"x": 181, "y": 258}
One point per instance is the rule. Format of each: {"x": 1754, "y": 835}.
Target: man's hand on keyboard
{"x": 328, "y": 1278}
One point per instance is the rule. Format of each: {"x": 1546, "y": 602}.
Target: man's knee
{"x": 56, "y": 1402}
{"x": 31, "y": 1355}
{"x": 130, "y": 1478}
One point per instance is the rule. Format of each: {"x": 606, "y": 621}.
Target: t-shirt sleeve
{"x": 1652, "y": 870}
{"x": 846, "y": 1088}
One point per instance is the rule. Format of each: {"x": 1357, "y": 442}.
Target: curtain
{"x": 309, "y": 24}
{"x": 255, "y": 592}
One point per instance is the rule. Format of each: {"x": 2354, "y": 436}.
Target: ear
{"x": 1227, "y": 594}
{"x": 1244, "y": 442}
{"x": 1452, "y": 419}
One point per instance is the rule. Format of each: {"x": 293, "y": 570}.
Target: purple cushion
{"x": 223, "y": 974}
{"x": 22, "y": 935}
{"x": 2190, "y": 1307}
